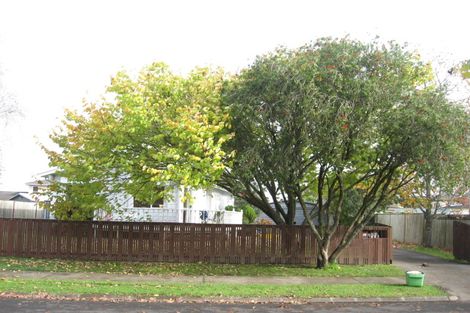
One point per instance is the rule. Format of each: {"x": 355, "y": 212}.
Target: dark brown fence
{"x": 462, "y": 240}
{"x": 171, "y": 242}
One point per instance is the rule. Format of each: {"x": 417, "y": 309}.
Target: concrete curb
{"x": 223, "y": 300}
{"x": 381, "y": 300}
{"x": 323, "y": 300}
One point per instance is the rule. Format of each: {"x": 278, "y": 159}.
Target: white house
{"x": 206, "y": 206}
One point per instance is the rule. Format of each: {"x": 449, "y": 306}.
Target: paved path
{"x": 20, "y": 306}
{"x": 452, "y": 276}
{"x": 203, "y": 279}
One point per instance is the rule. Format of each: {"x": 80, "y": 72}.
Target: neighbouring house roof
{"x": 43, "y": 179}
{"x": 299, "y": 213}
{"x": 39, "y": 183}
{"x": 46, "y": 173}
{"x": 14, "y": 196}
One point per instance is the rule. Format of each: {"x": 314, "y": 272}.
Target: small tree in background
{"x": 249, "y": 214}
{"x": 8, "y": 108}
{"x": 443, "y": 174}
{"x": 465, "y": 70}
{"x": 8, "y": 105}
{"x": 75, "y": 202}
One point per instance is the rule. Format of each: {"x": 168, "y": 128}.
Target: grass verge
{"x": 435, "y": 252}
{"x": 443, "y": 254}
{"x": 54, "y": 287}
{"x": 193, "y": 269}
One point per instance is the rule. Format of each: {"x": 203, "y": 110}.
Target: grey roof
{"x": 13, "y": 195}
{"x": 299, "y": 213}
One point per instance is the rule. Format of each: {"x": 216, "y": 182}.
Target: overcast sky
{"x": 53, "y": 54}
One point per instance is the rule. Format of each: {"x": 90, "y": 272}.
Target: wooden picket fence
{"x": 172, "y": 242}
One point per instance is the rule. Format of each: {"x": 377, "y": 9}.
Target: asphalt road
{"x": 12, "y": 305}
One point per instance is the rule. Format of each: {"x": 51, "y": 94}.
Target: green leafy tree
{"x": 75, "y": 202}
{"x": 443, "y": 174}
{"x": 249, "y": 214}
{"x": 319, "y": 122}
{"x": 147, "y": 132}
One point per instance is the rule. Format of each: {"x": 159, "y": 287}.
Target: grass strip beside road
{"x": 100, "y": 288}
{"x": 195, "y": 269}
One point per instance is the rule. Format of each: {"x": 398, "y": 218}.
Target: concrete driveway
{"x": 454, "y": 277}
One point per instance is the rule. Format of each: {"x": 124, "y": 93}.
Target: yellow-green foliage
{"x": 146, "y": 132}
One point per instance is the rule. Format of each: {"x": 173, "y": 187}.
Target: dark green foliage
{"x": 249, "y": 213}
{"x": 334, "y": 119}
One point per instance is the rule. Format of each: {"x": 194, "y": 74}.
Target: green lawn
{"x": 54, "y": 287}
{"x": 435, "y": 252}
{"x": 443, "y": 254}
{"x": 29, "y": 264}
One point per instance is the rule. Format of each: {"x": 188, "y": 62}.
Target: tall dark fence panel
{"x": 171, "y": 242}
{"x": 462, "y": 240}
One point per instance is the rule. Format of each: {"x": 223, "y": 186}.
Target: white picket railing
{"x": 175, "y": 216}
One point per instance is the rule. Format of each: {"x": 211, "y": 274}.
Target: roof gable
{"x": 13, "y": 196}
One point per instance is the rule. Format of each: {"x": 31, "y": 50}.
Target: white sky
{"x": 55, "y": 53}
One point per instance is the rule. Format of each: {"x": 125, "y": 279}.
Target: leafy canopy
{"x": 338, "y": 104}
{"x": 146, "y": 132}
{"x": 332, "y": 119}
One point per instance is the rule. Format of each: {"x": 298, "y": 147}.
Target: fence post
{"x": 404, "y": 227}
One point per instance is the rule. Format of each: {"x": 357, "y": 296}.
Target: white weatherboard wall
{"x": 178, "y": 216}
{"x": 207, "y": 206}
{"x": 214, "y": 199}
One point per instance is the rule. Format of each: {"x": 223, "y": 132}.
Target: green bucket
{"x": 415, "y": 278}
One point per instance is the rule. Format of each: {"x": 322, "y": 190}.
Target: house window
{"x": 142, "y": 204}
{"x": 35, "y": 188}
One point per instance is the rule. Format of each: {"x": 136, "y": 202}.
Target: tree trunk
{"x": 323, "y": 257}
{"x": 427, "y": 231}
